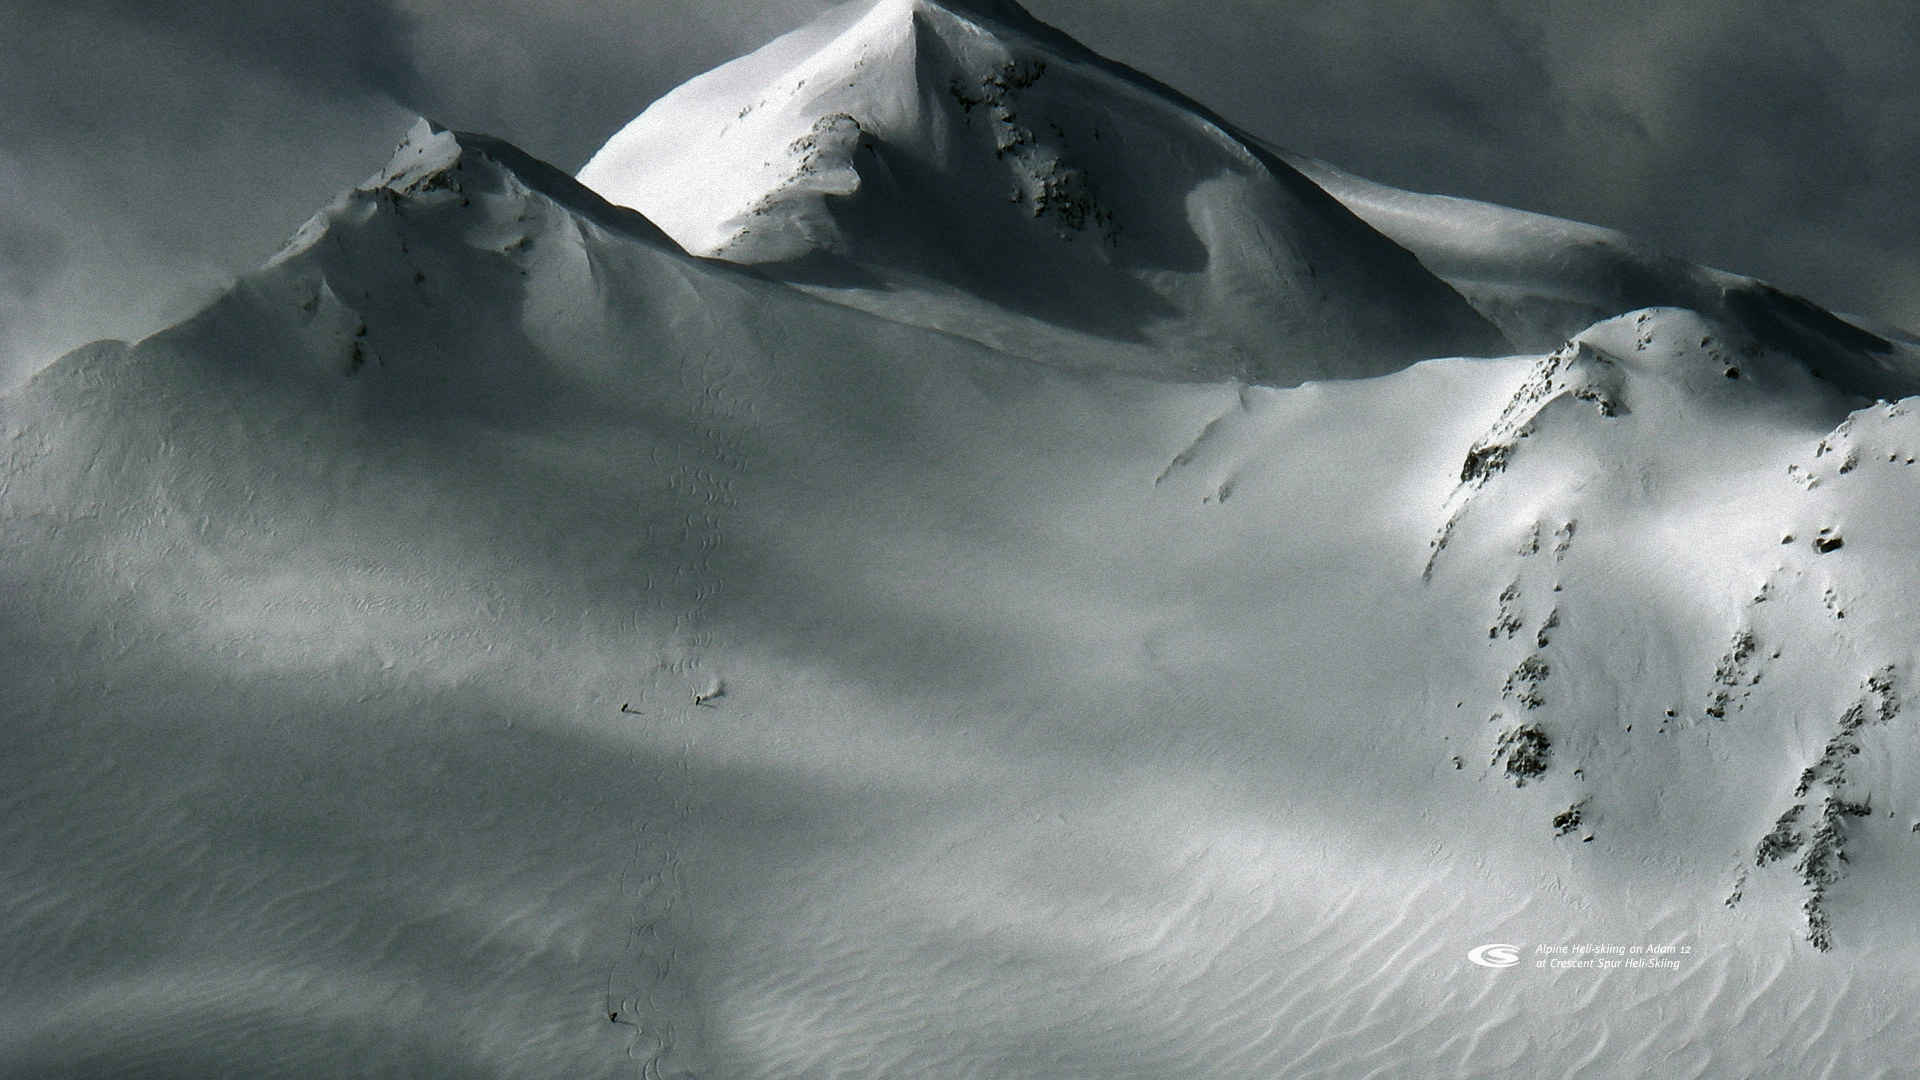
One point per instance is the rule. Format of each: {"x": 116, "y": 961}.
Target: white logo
{"x": 1494, "y": 956}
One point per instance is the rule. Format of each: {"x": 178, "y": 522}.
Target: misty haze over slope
{"x": 873, "y": 579}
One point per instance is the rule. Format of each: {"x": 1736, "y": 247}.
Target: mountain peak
{"x": 434, "y": 158}
{"x": 427, "y": 148}
{"x": 969, "y": 150}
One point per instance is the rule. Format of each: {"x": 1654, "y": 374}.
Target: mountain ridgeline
{"x": 937, "y": 555}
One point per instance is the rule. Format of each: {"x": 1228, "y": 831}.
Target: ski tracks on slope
{"x": 649, "y": 988}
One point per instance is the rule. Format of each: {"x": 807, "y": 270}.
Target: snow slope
{"x": 1543, "y": 280}
{"x": 492, "y": 641}
{"x": 959, "y": 156}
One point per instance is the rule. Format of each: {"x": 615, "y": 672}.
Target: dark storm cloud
{"x": 29, "y": 255}
{"x": 351, "y": 46}
{"x": 170, "y": 142}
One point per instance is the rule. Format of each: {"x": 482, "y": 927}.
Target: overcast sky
{"x": 150, "y": 152}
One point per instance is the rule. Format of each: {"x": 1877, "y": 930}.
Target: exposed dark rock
{"x": 1527, "y": 751}
{"x": 1568, "y": 820}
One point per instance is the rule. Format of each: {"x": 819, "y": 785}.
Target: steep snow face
{"x": 961, "y": 156}
{"x": 1666, "y": 481}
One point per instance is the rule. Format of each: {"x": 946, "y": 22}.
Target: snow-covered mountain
{"x": 904, "y": 637}
{"x": 973, "y": 169}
